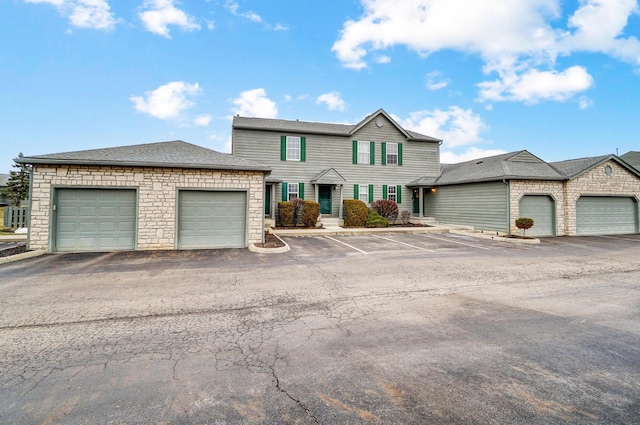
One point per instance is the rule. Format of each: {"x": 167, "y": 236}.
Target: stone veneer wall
{"x": 157, "y": 189}
{"x": 596, "y": 182}
{"x": 519, "y": 188}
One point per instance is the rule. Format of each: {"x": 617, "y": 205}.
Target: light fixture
{"x": 434, "y": 190}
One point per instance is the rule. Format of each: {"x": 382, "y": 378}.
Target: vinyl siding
{"x": 323, "y": 152}
{"x": 482, "y": 205}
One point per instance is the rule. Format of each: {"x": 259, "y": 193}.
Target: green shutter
{"x": 283, "y": 148}
{"x": 285, "y": 191}
{"x": 303, "y": 149}
{"x": 398, "y": 193}
{"x": 356, "y": 191}
{"x": 371, "y": 192}
{"x": 354, "y": 154}
{"x": 301, "y": 190}
{"x": 399, "y": 153}
{"x": 384, "y": 191}
{"x": 372, "y": 155}
{"x": 384, "y": 154}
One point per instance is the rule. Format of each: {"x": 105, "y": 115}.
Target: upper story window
{"x": 391, "y": 153}
{"x": 292, "y": 148}
{"x": 363, "y": 152}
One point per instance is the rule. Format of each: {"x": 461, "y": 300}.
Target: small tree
{"x": 524, "y": 223}
{"x": 18, "y": 184}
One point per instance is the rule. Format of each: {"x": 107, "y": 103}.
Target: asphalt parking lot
{"x": 390, "y": 329}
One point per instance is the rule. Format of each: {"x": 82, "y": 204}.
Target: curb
{"x": 13, "y": 238}
{"x": 493, "y": 237}
{"x": 22, "y": 256}
{"x": 356, "y": 231}
{"x": 279, "y": 250}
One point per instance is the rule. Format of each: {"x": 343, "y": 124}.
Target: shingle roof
{"x": 174, "y": 154}
{"x": 574, "y": 167}
{"x": 310, "y": 127}
{"x": 632, "y": 158}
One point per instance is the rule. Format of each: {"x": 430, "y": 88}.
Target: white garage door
{"x": 209, "y": 219}
{"x": 94, "y": 220}
{"x": 541, "y": 209}
{"x": 606, "y": 215}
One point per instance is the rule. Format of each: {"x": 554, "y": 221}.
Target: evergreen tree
{"x": 18, "y": 184}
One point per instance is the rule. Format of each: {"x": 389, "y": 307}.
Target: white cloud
{"x": 447, "y": 157}
{"x": 533, "y": 85}
{"x": 255, "y": 103}
{"x": 435, "y": 81}
{"x": 382, "y": 59}
{"x": 280, "y": 27}
{"x": 167, "y": 101}
{"x": 518, "y": 39}
{"x": 233, "y": 8}
{"x": 202, "y": 120}
{"x": 332, "y": 100}
{"x": 159, "y": 14}
{"x": 456, "y": 126}
{"x": 94, "y": 14}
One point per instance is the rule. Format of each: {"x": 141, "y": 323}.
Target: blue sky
{"x": 558, "y": 78}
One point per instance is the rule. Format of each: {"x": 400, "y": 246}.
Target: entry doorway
{"x": 324, "y": 199}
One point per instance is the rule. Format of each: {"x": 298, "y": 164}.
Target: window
{"x": 292, "y": 148}
{"x": 363, "y": 192}
{"x": 392, "y": 154}
{"x": 363, "y": 153}
{"x": 391, "y": 193}
{"x": 293, "y": 191}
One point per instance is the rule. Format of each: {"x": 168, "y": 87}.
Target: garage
{"x": 94, "y": 220}
{"x": 606, "y": 215}
{"x": 541, "y": 209}
{"x": 212, "y": 219}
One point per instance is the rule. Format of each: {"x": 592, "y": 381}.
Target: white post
{"x": 340, "y": 207}
{"x": 421, "y": 203}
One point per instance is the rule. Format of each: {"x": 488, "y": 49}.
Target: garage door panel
{"x": 606, "y": 215}
{"x": 211, "y": 219}
{"x": 541, "y": 209}
{"x": 95, "y": 219}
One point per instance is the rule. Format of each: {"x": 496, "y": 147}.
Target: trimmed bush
{"x": 310, "y": 213}
{"x": 524, "y": 223}
{"x": 386, "y": 208}
{"x": 355, "y": 213}
{"x": 285, "y": 213}
{"x": 376, "y": 220}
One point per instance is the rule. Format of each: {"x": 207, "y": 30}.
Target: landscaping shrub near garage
{"x": 375, "y": 220}
{"x": 355, "y": 213}
{"x": 298, "y": 213}
{"x": 386, "y": 208}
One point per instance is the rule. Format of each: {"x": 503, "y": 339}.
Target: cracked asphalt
{"x": 404, "y": 329}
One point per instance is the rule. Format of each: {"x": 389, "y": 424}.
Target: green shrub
{"x": 386, "y": 208}
{"x": 376, "y": 220}
{"x": 310, "y": 213}
{"x": 355, "y": 213}
{"x": 285, "y": 213}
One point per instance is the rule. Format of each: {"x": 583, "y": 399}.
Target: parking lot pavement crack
{"x": 292, "y": 398}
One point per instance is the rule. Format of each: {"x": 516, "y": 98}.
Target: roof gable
{"x": 574, "y": 168}
{"x": 328, "y": 176}
{"x": 174, "y": 154}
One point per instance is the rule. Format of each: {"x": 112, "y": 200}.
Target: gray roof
{"x": 632, "y": 158}
{"x": 174, "y": 154}
{"x": 510, "y": 166}
{"x": 308, "y": 127}
{"x": 574, "y": 167}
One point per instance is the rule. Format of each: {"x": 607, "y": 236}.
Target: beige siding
{"x": 323, "y": 152}
{"x": 157, "y": 189}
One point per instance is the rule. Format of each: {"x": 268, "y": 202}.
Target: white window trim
{"x": 291, "y": 192}
{"x": 364, "y": 147}
{"x": 363, "y": 193}
{"x": 292, "y": 153}
{"x": 391, "y": 187}
{"x": 392, "y": 154}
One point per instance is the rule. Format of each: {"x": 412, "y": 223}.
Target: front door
{"x": 324, "y": 199}
{"x": 267, "y": 200}
{"x": 416, "y": 201}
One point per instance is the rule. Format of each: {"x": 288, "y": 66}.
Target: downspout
{"x": 264, "y": 198}
{"x": 508, "y": 205}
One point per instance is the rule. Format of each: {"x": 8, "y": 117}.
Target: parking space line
{"x": 402, "y": 243}
{"x": 346, "y": 244}
{"x": 620, "y": 238}
{"x": 459, "y": 243}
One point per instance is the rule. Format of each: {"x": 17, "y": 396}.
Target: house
{"x": 370, "y": 160}
{"x": 586, "y": 196}
{"x": 4, "y": 180}
{"x": 168, "y": 195}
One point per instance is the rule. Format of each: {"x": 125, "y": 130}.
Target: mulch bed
{"x": 7, "y": 249}
{"x": 270, "y": 241}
